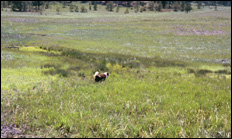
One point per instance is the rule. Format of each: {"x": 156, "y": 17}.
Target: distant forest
{"x": 138, "y": 6}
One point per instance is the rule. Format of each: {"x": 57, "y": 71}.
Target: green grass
{"x": 161, "y": 83}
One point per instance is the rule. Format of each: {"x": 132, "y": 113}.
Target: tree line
{"x": 138, "y": 6}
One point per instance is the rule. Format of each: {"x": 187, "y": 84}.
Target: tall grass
{"x": 161, "y": 83}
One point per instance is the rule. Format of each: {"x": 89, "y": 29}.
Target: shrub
{"x": 202, "y": 72}
{"x": 222, "y": 72}
{"x": 71, "y": 7}
{"x": 83, "y": 9}
{"x": 58, "y": 10}
{"x": 62, "y": 72}
{"x": 117, "y": 9}
{"x": 126, "y": 11}
{"x": 189, "y": 70}
{"x": 76, "y": 9}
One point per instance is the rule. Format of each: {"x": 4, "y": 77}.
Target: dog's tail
{"x": 96, "y": 73}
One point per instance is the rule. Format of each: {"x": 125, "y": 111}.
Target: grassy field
{"x": 166, "y": 77}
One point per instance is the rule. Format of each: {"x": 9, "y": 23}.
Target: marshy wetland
{"x": 166, "y": 75}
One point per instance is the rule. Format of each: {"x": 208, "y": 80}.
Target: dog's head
{"x": 107, "y": 74}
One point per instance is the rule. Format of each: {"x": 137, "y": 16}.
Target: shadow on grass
{"x": 53, "y": 71}
{"x": 98, "y": 61}
{"x": 203, "y": 72}
{"x": 101, "y": 59}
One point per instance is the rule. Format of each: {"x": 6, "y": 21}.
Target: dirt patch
{"x": 166, "y": 10}
{"x": 11, "y": 131}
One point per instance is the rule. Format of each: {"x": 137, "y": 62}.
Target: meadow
{"x": 166, "y": 76}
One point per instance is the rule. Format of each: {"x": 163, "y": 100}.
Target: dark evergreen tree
{"x": 95, "y": 6}
{"x": 71, "y": 8}
{"x": 151, "y": 6}
{"x": 109, "y": 6}
{"x": 215, "y": 7}
{"x": 159, "y": 7}
{"x": 136, "y": 5}
{"x": 90, "y": 7}
{"x": 1, "y": 5}
{"x": 199, "y": 4}
{"x": 176, "y": 7}
{"x": 182, "y": 6}
{"x": 64, "y": 4}
{"x": 164, "y": 4}
{"x": 117, "y": 9}
{"x": 23, "y": 6}
{"x": 46, "y": 4}
{"x": 76, "y": 9}
{"x": 188, "y": 7}
{"x": 37, "y": 4}
{"x": 5, "y": 4}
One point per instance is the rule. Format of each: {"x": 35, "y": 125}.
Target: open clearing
{"x": 166, "y": 76}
